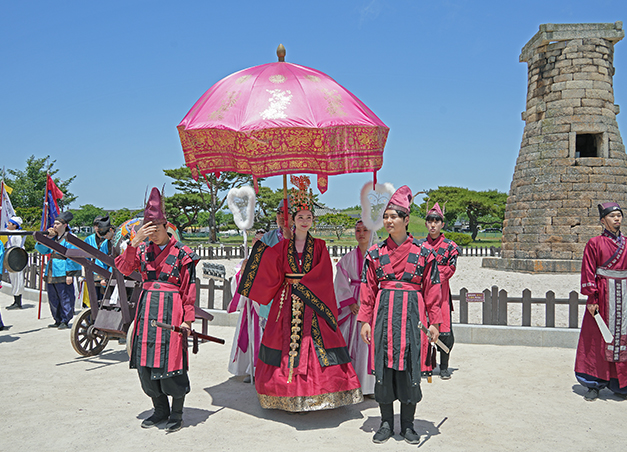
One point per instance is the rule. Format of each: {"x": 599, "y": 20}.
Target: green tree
{"x": 266, "y": 205}
{"x": 337, "y": 222}
{"x": 29, "y": 185}
{"x": 481, "y": 207}
{"x": 84, "y": 216}
{"x": 121, "y": 215}
{"x": 208, "y": 194}
{"x": 31, "y": 217}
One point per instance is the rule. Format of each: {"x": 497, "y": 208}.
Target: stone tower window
{"x": 588, "y": 145}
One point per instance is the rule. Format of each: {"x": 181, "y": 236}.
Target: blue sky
{"x": 101, "y": 86}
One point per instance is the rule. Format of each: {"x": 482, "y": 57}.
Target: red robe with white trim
{"x": 605, "y": 251}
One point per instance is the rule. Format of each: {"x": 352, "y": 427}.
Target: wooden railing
{"x": 495, "y": 307}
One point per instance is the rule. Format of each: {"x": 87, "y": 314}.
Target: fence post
{"x": 526, "y": 307}
{"x": 550, "y": 309}
{"x": 463, "y": 306}
{"x": 495, "y": 305}
{"x": 226, "y": 293}
{"x": 573, "y": 310}
{"x": 211, "y": 296}
{"x": 487, "y": 307}
{"x": 502, "y": 308}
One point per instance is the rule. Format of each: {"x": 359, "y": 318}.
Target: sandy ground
{"x": 499, "y": 399}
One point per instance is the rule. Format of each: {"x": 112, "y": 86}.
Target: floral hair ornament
{"x": 301, "y": 197}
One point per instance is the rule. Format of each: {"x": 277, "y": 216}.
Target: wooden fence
{"x": 237, "y": 252}
{"x": 496, "y": 303}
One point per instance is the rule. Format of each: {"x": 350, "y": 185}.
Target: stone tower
{"x": 572, "y": 156}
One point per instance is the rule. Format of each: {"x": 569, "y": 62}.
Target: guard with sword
{"x": 601, "y": 360}
{"x": 168, "y": 270}
{"x": 400, "y": 294}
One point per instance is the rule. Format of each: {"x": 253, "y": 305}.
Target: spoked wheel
{"x": 87, "y": 340}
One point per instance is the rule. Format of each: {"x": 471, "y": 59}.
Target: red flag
{"x": 51, "y": 208}
{"x": 53, "y": 189}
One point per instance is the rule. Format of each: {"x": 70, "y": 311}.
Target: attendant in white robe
{"x": 16, "y": 278}
{"x": 347, "y": 284}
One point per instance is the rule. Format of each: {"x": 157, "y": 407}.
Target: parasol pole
{"x": 285, "y": 209}
{"x": 43, "y": 256}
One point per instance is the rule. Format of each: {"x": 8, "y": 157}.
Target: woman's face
{"x": 362, "y": 234}
{"x": 303, "y": 220}
{"x": 393, "y": 223}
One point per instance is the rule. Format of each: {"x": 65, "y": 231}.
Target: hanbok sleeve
{"x": 263, "y": 274}
{"x": 128, "y": 261}
{"x": 588, "y": 272}
{"x": 342, "y": 286}
{"x": 368, "y": 292}
{"x": 187, "y": 290}
{"x": 432, "y": 292}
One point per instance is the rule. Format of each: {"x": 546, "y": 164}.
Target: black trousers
{"x": 397, "y": 385}
{"x": 176, "y": 386}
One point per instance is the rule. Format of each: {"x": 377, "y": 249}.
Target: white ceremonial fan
{"x": 373, "y": 203}
{"x": 241, "y": 202}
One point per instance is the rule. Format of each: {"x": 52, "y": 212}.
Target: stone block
{"x": 616, "y": 188}
{"x": 593, "y": 103}
{"x": 575, "y": 178}
{"x": 575, "y": 248}
{"x": 596, "y": 94}
{"x": 610, "y": 170}
{"x": 607, "y": 179}
{"x": 598, "y": 84}
{"x": 588, "y": 111}
{"x": 557, "y": 238}
{"x": 536, "y": 221}
{"x": 592, "y": 161}
{"x": 572, "y": 212}
{"x": 587, "y": 230}
{"x": 566, "y": 221}
{"x": 532, "y": 229}
{"x": 582, "y": 61}
{"x": 608, "y": 112}
{"x": 570, "y": 69}
{"x": 554, "y": 95}
{"x": 603, "y": 71}
{"x": 595, "y": 76}
{"x": 562, "y": 152}
{"x": 577, "y": 203}
{"x": 558, "y": 230}
{"x": 563, "y": 63}
{"x": 601, "y": 62}
{"x": 562, "y": 77}
{"x": 555, "y": 137}
{"x": 570, "y": 93}
{"x": 580, "y": 84}
{"x": 589, "y": 187}
{"x": 528, "y": 238}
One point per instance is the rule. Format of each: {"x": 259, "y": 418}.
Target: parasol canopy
{"x": 281, "y": 118}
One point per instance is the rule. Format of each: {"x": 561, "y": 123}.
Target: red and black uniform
{"x": 400, "y": 287}
{"x": 168, "y": 296}
{"x": 604, "y": 281}
{"x": 445, "y": 252}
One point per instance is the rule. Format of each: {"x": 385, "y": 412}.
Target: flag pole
{"x": 43, "y": 256}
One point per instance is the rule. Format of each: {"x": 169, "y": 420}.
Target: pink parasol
{"x": 281, "y": 118}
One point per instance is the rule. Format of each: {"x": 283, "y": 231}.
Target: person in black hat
{"x": 60, "y": 273}
{"x": 601, "y": 360}
{"x": 101, "y": 240}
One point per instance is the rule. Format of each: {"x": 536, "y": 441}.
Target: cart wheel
{"x": 87, "y": 340}
{"x": 129, "y": 339}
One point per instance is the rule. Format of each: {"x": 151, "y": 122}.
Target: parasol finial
{"x": 280, "y": 52}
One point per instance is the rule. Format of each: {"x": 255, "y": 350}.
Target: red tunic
{"x": 322, "y": 376}
{"x": 168, "y": 296}
{"x": 401, "y": 287}
{"x": 594, "y": 356}
{"x": 445, "y": 252}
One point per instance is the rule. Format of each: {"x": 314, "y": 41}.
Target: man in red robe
{"x": 602, "y": 363}
{"x": 400, "y": 288}
{"x": 168, "y": 270}
{"x": 445, "y": 252}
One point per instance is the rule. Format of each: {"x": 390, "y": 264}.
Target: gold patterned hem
{"x": 312, "y": 403}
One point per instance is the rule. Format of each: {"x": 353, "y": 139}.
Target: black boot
{"x": 386, "y": 430}
{"x": 161, "y": 413}
{"x": 17, "y": 302}
{"x": 408, "y": 410}
{"x": 445, "y": 374}
{"x": 175, "y": 423}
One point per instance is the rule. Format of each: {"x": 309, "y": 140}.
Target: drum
{"x": 15, "y": 259}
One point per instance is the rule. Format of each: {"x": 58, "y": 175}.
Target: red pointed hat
{"x": 401, "y": 200}
{"x": 435, "y": 210}
{"x": 154, "y": 208}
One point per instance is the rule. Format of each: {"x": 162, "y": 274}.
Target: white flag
{"x": 6, "y": 208}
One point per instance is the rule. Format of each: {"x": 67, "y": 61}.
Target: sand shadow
{"x": 107, "y": 358}
{"x": 7, "y": 338}
{"x": 604, "y": 394}
{"x": 426, "y": 429}
{"x": 242, "y": 397}
{"x": 191, "y": 416}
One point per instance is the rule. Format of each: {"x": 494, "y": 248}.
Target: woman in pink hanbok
{"x": 347, "y": 284}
